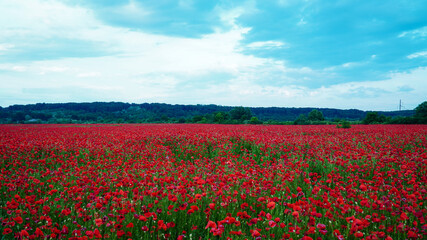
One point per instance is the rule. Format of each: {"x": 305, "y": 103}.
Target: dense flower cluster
{"x": 213, "y": 181}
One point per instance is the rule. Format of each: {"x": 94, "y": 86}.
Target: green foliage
{"x": 420, "y": 116}
{"x": 197, "y": 118}
{"x": 117, "y": 112}
{"x": 315, "y": 115}
{"x": 371, "y": 117}
{"x": 221, "y": 117}
{"x": 301, "y": 120}
{"x": 344, "y": 124}
{"x": 254, "y": 120}
{"x": 181, "y": 120}
{"x": 374, "y": 118}
{"x": 421, "y": 110}
{"x": 240, "y": 114}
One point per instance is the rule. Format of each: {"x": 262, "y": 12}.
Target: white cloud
{"x": 354, "y": 64}
{"x": 417, "y": 33}
{"x": 144, "y": 65}
{"x": 382, "y": 95}
{"x": 54, "y": 69}
{"x": 368, "y": 95}
{"x": 417, "y": 54}
{"x": 229, "y": 16}
{"x": 19, "y": 68}
{"x": 88, "y": 74}
{"x": 44, "y": 19}
{"x": 134, "y": 8}
{"x": 136, "y": 51}
{"x": 266, "y": 44}
{"x": 133, "y": 11}
{"x": 5, "y": 47}
{"x": 348, "y": 65}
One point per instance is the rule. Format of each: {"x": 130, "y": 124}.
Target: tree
{"x": 197, "y": 118}
{"x": 301, "y": 120}
{"x": 18, "y": 116}
{"x": 220, "y": 117}
{"x": 344, "y": 124}
{"x": 374, "y": 117}
{"x": 254, "y": 120}
{"x": 371, "y": 117}
{"x": 421, "y": 110}
{"x": 240, "y": 114}
{"x": 315, "y": 115}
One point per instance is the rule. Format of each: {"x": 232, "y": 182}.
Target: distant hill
{"x": 119, "y": 112}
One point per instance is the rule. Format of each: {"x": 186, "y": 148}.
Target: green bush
{"x": 344, "y": 124}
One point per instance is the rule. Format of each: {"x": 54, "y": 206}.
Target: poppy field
{"x": 189, "y": 181}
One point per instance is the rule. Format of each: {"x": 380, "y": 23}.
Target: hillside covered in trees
{"x": 118, "y": 112}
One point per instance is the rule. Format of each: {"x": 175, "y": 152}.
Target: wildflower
{"x": 210, "y": 225}
{"x": 271, "y": 205}
{"x": 6, "y": 231}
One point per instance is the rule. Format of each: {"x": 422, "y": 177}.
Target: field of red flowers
{"x": 213, "y": 182}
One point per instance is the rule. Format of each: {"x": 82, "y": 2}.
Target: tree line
{"x": 118, "y": 112}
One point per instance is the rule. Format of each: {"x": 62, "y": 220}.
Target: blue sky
{"x": 320, "y": 53}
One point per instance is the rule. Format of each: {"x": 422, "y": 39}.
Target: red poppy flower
{"x": 7, "y": 231}
{"x": 98, "y": 222}
{"x": 130, "y": 225}
{"x": 97, "y": 234}
{"x": 210, "y": 225}
{"x": 271, "y": 205}
{"x": 272, "y": 223}
{"x": 18, "y": 220}
{"x": 255, "y": 233}
{"x": 24, "y": 234}
{"x": 39, "y": 233}
{"x": 120, "y": 233}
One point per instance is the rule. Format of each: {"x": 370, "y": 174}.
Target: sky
{"x": 366, "y": 54}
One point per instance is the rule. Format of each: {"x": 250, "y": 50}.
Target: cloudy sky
{"x": 364, "y": 54}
